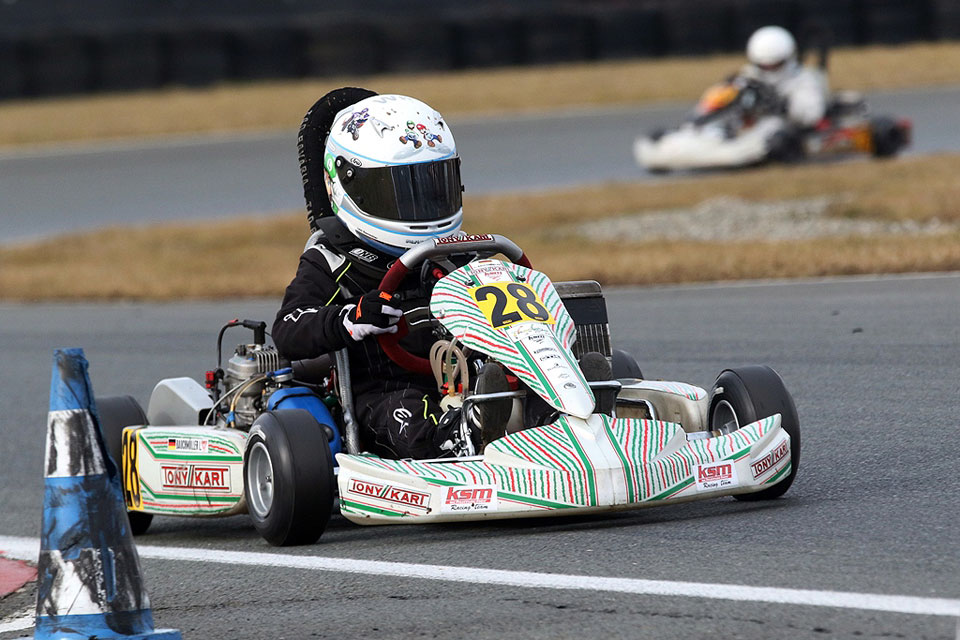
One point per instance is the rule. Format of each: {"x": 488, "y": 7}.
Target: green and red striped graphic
{"x": 553, "y": 469}
{"x": 454, "y": 305}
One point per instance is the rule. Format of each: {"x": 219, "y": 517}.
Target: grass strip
{"x": 257, "y": 255}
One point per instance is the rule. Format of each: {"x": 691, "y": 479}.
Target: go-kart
{"x": 740, "y": 123}
{"x": 280, "y": 441}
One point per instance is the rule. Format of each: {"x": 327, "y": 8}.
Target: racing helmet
{"x": 392, "y": 173}
{"x": 773, "y": 51}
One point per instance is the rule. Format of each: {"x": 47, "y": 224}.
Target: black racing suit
{"x": 397, "y": 410}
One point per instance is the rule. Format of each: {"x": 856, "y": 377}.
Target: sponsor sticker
{"x": 467, "y": 238}
{"x": 397, "y": 495}
{"x": 195, "y": 477}
{"x": 192, "y": 445}
{"x": 470, "y": 499}
{"x": 716, "y": 475}
{"x": 532, "y": 334}
{"x": 770, "y": 460}
{"x": 491, "y": 273}
{"x": 363, "y": 254}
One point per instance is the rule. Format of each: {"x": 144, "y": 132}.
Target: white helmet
{"x": 772, "y": 49}
{"x": 392, "y": 173}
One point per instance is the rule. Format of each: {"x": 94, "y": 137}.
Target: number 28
{"x": 519, "y": 298}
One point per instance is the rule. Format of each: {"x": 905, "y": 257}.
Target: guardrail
{"x": 46, "y": 56}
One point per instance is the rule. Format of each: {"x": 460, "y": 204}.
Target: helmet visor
{"x": 773, "y": 66}
{"x": 420, "y": 192}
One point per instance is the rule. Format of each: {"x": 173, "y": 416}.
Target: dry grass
{"x": 916, "y": 188}
{"x": 274, "y": 105}
{"x": 257, "y": 256}
{"x": 680, "y": 262}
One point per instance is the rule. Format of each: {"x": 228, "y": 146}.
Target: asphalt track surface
{"x": 872, "y": 364}
{"x": 86, "y": 186}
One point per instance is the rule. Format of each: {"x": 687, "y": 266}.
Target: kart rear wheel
{"x": 747, "y": 394}
{"x": 288, "y": 477}
{"x": 625, "y": 365}
{"x": 117, "y": 412}
{"x": 888, "y": 137}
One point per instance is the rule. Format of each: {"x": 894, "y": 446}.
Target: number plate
{"x": 130, "y": 471}
{"x": 506, "y": 303}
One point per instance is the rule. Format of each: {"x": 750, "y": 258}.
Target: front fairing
{"x": 515, "y": 315}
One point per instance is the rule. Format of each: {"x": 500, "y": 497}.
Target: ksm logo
{"x": 716, "y": 475}
{"x": 480, "y": 497}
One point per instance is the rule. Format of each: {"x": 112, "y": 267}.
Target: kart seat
{"x": 584, "y": 302}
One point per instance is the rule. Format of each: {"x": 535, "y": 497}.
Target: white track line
{"x": 22, "y": 547}
{"x": 23, "y": 620}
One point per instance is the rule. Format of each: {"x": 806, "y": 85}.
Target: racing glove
{"x": 372, "y": 315}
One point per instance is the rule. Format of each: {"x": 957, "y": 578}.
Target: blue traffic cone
{"x": 89, "y": 582}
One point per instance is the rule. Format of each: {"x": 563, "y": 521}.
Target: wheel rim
{"x": 260, "y": 481}
{"x": 724, "y": 417}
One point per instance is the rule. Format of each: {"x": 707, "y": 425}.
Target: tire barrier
{"x": 113, "y": 47}
{"x": 89, "y": 582}
{"x": 696, "y": 28}
{"x": 557, "y": 37}
{"x": 488, "y": 42}
{"x": 894, "y": 22}
{"x": 750, "y": 15}
{"x": 11, "y": 70}
{"x": 262, "y": 54}
{"x": 629, "y": 33}
{"x": 57, "y": 64}
{"x": 128, "y": 61}
{"x": 195, "y": 58}
{"x": 340, "y": 49}
{"x": 945, "y": 19}
{"x": 840, "y": 19}
{"x": 411, "y": 44}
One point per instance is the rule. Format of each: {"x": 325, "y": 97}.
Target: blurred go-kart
{"x": 276, "y": 439}
{"x": 740, "y": 122}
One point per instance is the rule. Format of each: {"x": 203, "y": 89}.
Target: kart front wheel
{"x": 747, "y": 394}
{"x": 288, "y": 477}
{"x": 117, "y": 412}
{"x": 785, "y": 146}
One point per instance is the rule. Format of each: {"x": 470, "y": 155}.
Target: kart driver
{"x": 772, "y": 56}
{"x": 370, "y": 197}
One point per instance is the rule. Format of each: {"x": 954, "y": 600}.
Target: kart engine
{"x": 247, "y": 384}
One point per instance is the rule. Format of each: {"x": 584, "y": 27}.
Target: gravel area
{"x": 725, "y": 219}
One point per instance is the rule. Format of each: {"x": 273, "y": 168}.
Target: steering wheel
{"x": 437, "y": 247}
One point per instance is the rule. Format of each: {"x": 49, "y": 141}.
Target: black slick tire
{"x": 887, "y": 136}
{"x": 785, "y": 146}
{"x": 625, "y": 366}
{"x": 117, "y": 412}
{"x": 747, "y": 394}
{"x": 595, "y": 368}
{"x": 288, "y": 477}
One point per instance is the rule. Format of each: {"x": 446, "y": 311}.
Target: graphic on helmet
{"x": 393, "y": 174}
{"x": 354, "y": 122}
